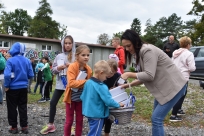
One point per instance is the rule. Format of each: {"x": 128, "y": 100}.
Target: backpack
{"x": 2, "y": 62}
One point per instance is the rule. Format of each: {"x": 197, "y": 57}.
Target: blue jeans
{"x": 95, "y": 126}
{"x": 36, "y": 86}
{"x": 160, "y": 112}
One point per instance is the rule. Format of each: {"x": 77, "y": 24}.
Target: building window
{"x": 4, "y": 44}
{"x": 46, "y": 47}
{"x": 91, "y": 51}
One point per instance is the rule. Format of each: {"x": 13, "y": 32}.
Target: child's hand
{"x": 121, "y": 104}
{"x": 67, "y": 64}
{"x": 6, "y": 89}
{"x": 61, "y": 67}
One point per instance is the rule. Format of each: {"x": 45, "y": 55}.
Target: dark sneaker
{"x": 42, "y": 100}
{"x": 175, "y": 119}
{"x": 13, "y": 130}
{"x": 24, "y": 130}
{"x": 180, "y": 113}
{"x": 47, "y": 99}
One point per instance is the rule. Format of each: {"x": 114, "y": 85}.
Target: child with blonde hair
{"x": 71, "y": 97}
{"x": 111, "y": 82}
{"x": 96, "y": 98}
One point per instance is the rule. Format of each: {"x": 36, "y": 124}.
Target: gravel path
{"x": 38, "y": 117}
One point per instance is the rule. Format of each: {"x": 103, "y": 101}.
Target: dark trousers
{"x": 178, "y": 105}
{"x": 17, "y": 99}
{"x": 107, "y": 125}
{"x": 36, "y": 86}
{"x": 53, "y": 103}
{"x": 46, "y": 89}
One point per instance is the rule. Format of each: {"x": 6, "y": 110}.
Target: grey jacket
{"x": 159, "y": 74}
{"x": 64, "y": 57}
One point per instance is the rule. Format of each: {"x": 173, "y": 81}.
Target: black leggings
{"x": 53, "y": 103}
{"x": 178, "y": 105}
{"x": 107, "y": 125}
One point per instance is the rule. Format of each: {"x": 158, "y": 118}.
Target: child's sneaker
{"x": 13, "y": 130}
{"x": 47, "y": 99}
{"x": 180, "y": 113}
{"x": 73, "y": 131}
{"x": 24, "y": 130}
{"x": 42, "y": 100}
{"x": 175, "y": 119}
{"x": 48, "y": 129}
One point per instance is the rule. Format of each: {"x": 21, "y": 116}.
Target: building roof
{"x": 51, "y": 40}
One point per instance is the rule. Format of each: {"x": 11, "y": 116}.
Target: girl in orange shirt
{"x": 72, "y": 98}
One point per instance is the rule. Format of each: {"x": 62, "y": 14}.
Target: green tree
{"x": 158, "y": 33}
{"x": 16, "y": 23}
{"x": 63, "y": 31}
{"x": 150, "y": 35}
{"x": 2, "y": 31}
{"x": 1, "y": 5}
{"x": 136, "y": 26}
{"x": 103, "y": 39}
{"x": 42, "y": 25}
{"x": 197, "y": 35}
{"x": 169, "y": 26}
{"x": 119, "y": 34}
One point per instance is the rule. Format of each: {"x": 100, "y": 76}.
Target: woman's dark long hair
{"x": 136, "y": 41}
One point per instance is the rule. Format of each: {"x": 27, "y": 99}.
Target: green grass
{"x": 193, "y": 105}
{"x": 33, "y": 98}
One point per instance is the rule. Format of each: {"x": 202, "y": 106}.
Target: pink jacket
{"x": 184, "y": 60}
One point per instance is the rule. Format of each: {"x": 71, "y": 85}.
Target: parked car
{"x": 198, "y": 74}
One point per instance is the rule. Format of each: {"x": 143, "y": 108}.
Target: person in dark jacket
{"x": 170, "y": 46}
{"x": 39, "y": 77}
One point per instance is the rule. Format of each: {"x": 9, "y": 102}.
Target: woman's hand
{"x": 125, "y": 75}
{"x": 124, "y": 86}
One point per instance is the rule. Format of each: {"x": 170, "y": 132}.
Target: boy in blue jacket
{"x": 96, "y": 98}
{"x": 16, "y": 74}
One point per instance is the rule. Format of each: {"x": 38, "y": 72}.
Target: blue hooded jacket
{"x": 18, "y": 68}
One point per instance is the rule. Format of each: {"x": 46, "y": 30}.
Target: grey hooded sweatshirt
{"x": 62, "y": 57}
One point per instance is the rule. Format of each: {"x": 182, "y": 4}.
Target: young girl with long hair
{"x": 59, "y": 68}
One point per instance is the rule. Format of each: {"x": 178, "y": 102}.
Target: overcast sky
{"x": 87, "y": 19}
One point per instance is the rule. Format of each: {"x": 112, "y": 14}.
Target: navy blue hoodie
{"x": 18, "y": 68}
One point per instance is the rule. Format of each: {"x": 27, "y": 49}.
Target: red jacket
{"x": 121, "y": 55}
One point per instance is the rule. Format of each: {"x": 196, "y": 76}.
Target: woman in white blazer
{"x": 158, "y": 73}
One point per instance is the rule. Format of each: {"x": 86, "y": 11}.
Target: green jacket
{"x": 47, "y": 72}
